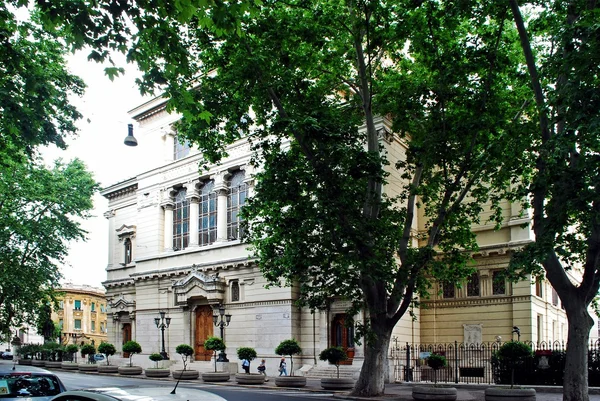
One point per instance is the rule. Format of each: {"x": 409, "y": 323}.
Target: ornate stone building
{"x": 174, "y": 247}
{"x": 81, "y": 315}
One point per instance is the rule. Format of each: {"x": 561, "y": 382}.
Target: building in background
{"x": 81, "y": 315}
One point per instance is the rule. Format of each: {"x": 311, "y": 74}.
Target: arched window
{"x": 181, "y": 221}
{"x": 236, "y": 198}
{"x": 128, "y": 250}
{"x": 235, "y": 291}
{"x": 207, "y": 225}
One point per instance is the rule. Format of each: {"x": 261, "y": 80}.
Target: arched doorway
{"x": 342, "y": 336}
{"x": 204, "y": 329}
{"x": 126, "y": 336}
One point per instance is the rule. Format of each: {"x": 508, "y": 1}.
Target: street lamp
{"x": 162, "y": 323}
{"x": 221, "y": 324}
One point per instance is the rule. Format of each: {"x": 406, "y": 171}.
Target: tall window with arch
{"x": 128, "y": 251}
{"x": 236, "y": 198}
{"x": 235, "y": 291}
{"x": 207, "y": 226}
{"x": 181, "y": 220}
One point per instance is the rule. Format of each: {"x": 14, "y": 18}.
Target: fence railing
{"x": 475, "y": 363}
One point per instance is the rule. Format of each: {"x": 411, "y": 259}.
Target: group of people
{"x": 262, "y": 368}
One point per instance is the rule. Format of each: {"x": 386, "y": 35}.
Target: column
{"x": 221, "y": 188}
{"x": 168, "y": 233}
{"x": 194, "y": 198}
{"x": 110, "y": 215}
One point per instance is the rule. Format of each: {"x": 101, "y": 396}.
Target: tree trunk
{"x": 575, "y": 384}
{"x": 371, "y": 382}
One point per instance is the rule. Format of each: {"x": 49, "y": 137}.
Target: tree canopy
{"x": 40, "y": 212}
{"x": 319, "y": 86}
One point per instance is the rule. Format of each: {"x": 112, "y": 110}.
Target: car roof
{"x": 140, "y": 394}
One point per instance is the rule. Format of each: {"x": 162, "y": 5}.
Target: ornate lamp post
{"x": 221, "y": 324}
{"x": 162, "y": 323}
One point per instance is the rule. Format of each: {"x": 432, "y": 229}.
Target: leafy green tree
{"x": 107, "y": 349}
{"x": 72, "y": 351}
{"x": 436, "y": 361}
{"x": 156, "y": 358}
{"x": 334, "y": 355}
{"x": 87, "y": 350}
{"x": 186, "y": 351}
{"x": 36, "y": 86}
{"x": 40, "y": 213}
{"x": 214, "y": 344}
{"x": 132, "y": 347}
{"x": 291, "y": 348}
{"x": 246, "y": 353}
{"x": 308, "y": 82}
{"x": 561, "y": 43}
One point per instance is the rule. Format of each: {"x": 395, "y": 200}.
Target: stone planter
{"x": 108, "y": 369}
{"x": 335, "y": 383}
{"x": 249, "y": 378}
{"x": 509, "y": 394}
{"x": 69, "y": 366}
{"x": 87, "y": 367}
{"x": 25, "y": 362}
{"x": 435, "y": 392}
{"x": 130, "y": 370}
{"x": 37, "y": 362}
{"x": 157, "y": 372}
{"x": 216, "y": 376}
{"x": 53, "y": 364}
{"x": 186, "y": 374}
{"x": 290, "y": 381}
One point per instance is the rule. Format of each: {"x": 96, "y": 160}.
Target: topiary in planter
{"x": 291, "y": 348}
{"x": 186, "y": 352}
{"x": 246, "y": 353}
{"x": 87, "y": 350}
{"x": 72, "y": 352}
{"x": 107, "y": 349}
{"x": 334, "y": 355}
{"x": 156, "y": 371}
{"x": 513, "y": 353}
{"x": 156, "y": 358}
{"x": 436, "y": 361}
{"x": 214, "y": 344}
{"x": 132, "y": 347}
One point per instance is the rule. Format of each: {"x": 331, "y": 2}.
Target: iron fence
{"x": 476, "y": 363}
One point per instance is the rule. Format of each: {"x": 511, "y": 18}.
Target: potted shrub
{"x": 24, "y": 354}
{"x": 87, "y": 352}
{"x": 71, "y": 357}
{"x": 435, "y": 392}
{"x": 335, "y": 355}
{"x": 53, "y": 350}
{"x": 107, "y": 349}
{"x": 186, "y": 352}
{"x": 215, "y": 344}
{"x": 39, "y": 355}
{"x": 289, "y": 348}
{"x": 248, "y": 378}
{"x": 512, "y": 354}
{"x": 156, "y": 371}
{"x": 131, "y": 347}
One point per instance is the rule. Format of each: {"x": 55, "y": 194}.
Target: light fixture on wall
{"x": 130, "y": 139}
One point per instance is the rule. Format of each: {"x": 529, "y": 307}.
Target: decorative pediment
{"x": 125, "y": 231}
{"x": 199, "y": 285}
{"x": 122, "y": 305}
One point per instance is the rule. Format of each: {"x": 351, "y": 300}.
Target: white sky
{"x": 100, "y": 146}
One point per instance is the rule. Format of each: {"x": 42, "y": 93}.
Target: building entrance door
{"x": 204, "y": 329}
{"x": 342, "y": 336}
{"x": 126, "y": 336}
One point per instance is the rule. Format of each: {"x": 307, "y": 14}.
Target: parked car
{"x": 7, "y": 355}
{"x": 29, "y": 382}
{"x": 139, "y": 393}
{"x": 98, "y": 357}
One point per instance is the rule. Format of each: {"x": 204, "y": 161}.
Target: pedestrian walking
{"x": 282, "y": 367}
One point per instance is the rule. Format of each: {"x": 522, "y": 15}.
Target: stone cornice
{"x": 174, "y": 272}
{"x": 120, "y": 192}
{"x": 469, "y": 302}
{"x": 118, "y": 283}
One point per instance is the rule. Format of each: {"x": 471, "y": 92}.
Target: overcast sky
{"x": 100, "y": 145}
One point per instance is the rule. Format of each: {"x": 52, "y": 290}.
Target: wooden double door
{"x": 343, "y": 336}
{"x": 204, "y": 329}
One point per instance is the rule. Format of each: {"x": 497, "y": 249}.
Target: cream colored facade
{"x": 151, "y": 269}
{"x": 81, "y": 315}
